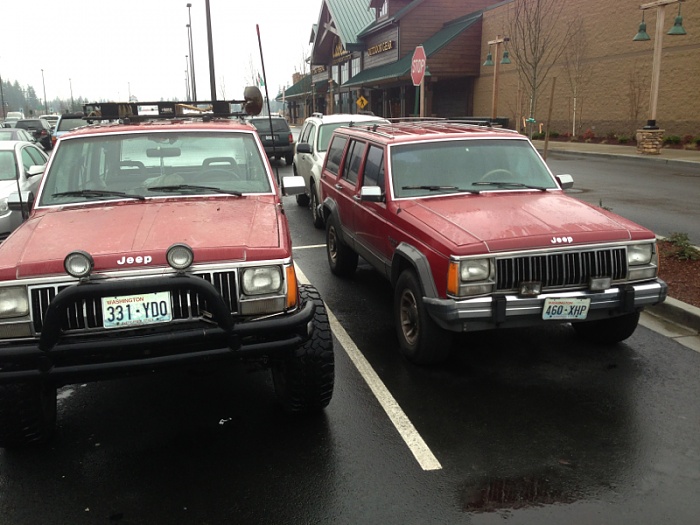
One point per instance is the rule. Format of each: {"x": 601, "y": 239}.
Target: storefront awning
{"x": 402, "y": 67}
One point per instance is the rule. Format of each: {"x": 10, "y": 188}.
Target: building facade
{"x": 593, "y": 77}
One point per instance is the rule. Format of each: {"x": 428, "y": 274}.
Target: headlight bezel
{"x": 17, "y": 295}
{"x": 262, "y": 280}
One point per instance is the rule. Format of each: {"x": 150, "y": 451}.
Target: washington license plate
{"x": 565, "y": 308}
{"x": 134, "y": 310}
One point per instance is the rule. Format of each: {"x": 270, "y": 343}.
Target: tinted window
{"x": 67, "y": 124}
{"x": 351, "y": 170}
{"x": 306, "y": 132}
{"x": 278, "y": 125}
{"x": 335, "y": 154}
{"x": 374, "y": 168}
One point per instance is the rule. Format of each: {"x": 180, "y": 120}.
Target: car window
{"x": 6, "y": 134}
{"x": 467, "y": 164}
{"x": 306, "y": 132}
{"x": 278, "y": 125}
{"x": 67, "y": 124}
{"x": 139, "y": 163}
{"x": 8, "y": 168}
{"x": 374, "y": 168}
{"x": 37, "y": 158}
{"x": 27, "y": 159}
{"x": 351, "y": 169}
{"x": 335, "y": 154}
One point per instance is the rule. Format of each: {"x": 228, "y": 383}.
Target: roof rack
{"x": 137, "y": 111}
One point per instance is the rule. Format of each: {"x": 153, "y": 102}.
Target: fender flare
{"x": 407, "y": 254}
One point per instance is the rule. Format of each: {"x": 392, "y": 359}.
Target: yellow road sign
{"x": 361, "y": 102}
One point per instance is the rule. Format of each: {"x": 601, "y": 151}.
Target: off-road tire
{"x": 316, "y": 216}
{"x": 304, "y": 379}
{"x": 421, "y": 340}
{"x": 27, "y": 414}
{"x": 607, "y": 331}
{"x": 302, "y": 199}
{"x": 342, "y": 259}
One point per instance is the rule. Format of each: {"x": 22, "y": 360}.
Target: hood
{"x": 519, "y": 220}
{"x": 134, "y": 233}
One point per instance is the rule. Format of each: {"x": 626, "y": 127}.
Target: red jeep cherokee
{"x": 156, "y": 240}
{"x": 475, "y": 233}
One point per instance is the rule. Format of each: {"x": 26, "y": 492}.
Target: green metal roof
{"x": 402, "y": 67}
{"x": 350, "y": 17}
{"x": 303, "y": 87}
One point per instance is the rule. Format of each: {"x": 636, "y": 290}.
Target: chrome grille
{"x": 561, "y": 269}
{"x": 87, "y": 314}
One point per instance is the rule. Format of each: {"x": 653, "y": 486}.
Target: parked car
{"x": 52, "y": 119}
{"x": 9, "y": 123}
{"x": 21, "y": 166}
{"x": 65, "y": 123}
{"x": 153, "y": 246}
{"x": 40, "y": 128}
{"x": 310, "y": 153}
{"x": 276, "y": 137}
{"x": 475, "y": 233}
{"x": 13, "y": 116}
{"x": 16, "y": 134}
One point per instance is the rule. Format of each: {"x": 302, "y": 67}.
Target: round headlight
{"x": 78, "y": 264}
{"x": 180, "y": 256}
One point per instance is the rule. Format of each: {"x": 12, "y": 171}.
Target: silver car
{"x": 21, "y": 166}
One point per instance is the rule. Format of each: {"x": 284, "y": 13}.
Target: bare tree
{"x": 578, "y": 71}
{"x": 637, "y": 93}
{"x": 539, "y": 36}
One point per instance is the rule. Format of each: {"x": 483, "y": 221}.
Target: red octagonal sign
{"x": 418, "y": 65}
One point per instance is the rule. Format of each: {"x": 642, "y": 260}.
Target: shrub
{"x": 684, "y": 250}
{"x": 553, "y": 134}
{"x": 611, "y": 135}
{"x": 697, "y": 142}
{"x": 672, "y": 139}
{"x": 589, "y": 134}
{"x": 538, "y": 136}
{"x": 687, "y": 139}
{"x": 623, "y": 139}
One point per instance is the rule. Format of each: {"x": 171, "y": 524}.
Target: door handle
{"x": 339, "y": 187}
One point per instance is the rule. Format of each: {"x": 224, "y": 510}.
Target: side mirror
{"x": 371, "y": 194}
{"x": 37, "y": 169}
{"x": 304, "y": 147}
{"x": 23, "y": 202}
{"x": 293, "y": 185}
{"x": 565, "y": 181}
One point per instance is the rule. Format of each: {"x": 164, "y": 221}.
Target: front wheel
{"x": 608, "y": 331}
{"x": 304, "y": 379}
{"x": 421, "y": 340}
{"x": 27, "y": 414}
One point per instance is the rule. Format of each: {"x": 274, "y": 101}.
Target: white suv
{"x": 310, "y": 153}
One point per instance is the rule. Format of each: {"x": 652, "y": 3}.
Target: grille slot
{"x": 87, "y": 314}
{"x": 561, "y": 269}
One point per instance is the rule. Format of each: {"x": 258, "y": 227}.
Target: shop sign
{"x": 388, "y": 45}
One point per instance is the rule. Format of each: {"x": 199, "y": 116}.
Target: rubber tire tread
{"x": 316, "y": 217}
{"x": 607, "y": 331}
{"x": 433, "y": 344}
{"x": 27, "y": 414}
{"x": 304, "y": 380}
{"x": 346, "y": 259}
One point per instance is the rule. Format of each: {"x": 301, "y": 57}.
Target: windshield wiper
{"x": 439, "y": 188}
{"x": 98, "y": 193}
{"x": 194, "y": 187}
{"x": 508, "y": 185}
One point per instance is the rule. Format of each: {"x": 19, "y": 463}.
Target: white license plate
{"x": 268, "y": 137}
{"x": 134, "y": 310}
{"x": 565, "y": 308}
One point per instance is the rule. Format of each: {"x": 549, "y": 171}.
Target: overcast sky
{"x": 106, "y": 49}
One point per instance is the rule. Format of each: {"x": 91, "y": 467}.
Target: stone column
{"x": 649, "y": 141}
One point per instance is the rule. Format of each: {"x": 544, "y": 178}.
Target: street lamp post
{"x": 490, "y": 62}
{"x": 189, "y": 35}
{"x": 187, "y": 78}
{"x": 660, "y": 6}
{"x": 46, "y": 108}
{"x": 72, "y": 106}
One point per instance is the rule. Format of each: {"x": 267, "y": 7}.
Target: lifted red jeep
{"x": 157, "y": 239}
{"x": 475, "y": 233}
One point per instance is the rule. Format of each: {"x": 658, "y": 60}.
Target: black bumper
{"x": 72, "y": 357}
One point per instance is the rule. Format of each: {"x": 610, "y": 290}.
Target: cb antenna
{"x": 267, "y": 98}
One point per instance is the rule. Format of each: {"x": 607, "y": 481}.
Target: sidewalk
{"x": 672, "y": 310}
{"x": 667, "y": 156}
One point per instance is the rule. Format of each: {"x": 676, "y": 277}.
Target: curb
{"x": 678, "y": 312}
{"x": 632, "y": 158}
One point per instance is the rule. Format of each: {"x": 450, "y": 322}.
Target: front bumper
{"x": 504, "y": 311}
{"x": 67, "y": 357}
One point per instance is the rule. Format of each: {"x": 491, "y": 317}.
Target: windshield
{"x": 8, "y": 168}
{"x": 438, "y": 168}
{"x": 67, "y": 124}
{"x": 114, "y": 166}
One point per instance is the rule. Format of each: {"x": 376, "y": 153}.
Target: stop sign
{"x": 418, "y": 65}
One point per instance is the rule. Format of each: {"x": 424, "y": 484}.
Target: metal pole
{"x": 70, "y": 83}
{"x": 189, "y": 33}
{"x": 46, "y": 108}
{"x": 212, "y": 76}
{"x": 2, "y": 98}
{"x": 187, "y": 78}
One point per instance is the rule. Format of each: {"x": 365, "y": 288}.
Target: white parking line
{"x": 400, "y": 420}
{"x": 309, "y": 246}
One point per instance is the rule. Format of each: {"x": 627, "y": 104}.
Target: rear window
{"x": 26, "y": 124}
{"x": 263, "y": 125}
{"x": 67, "y": 124}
